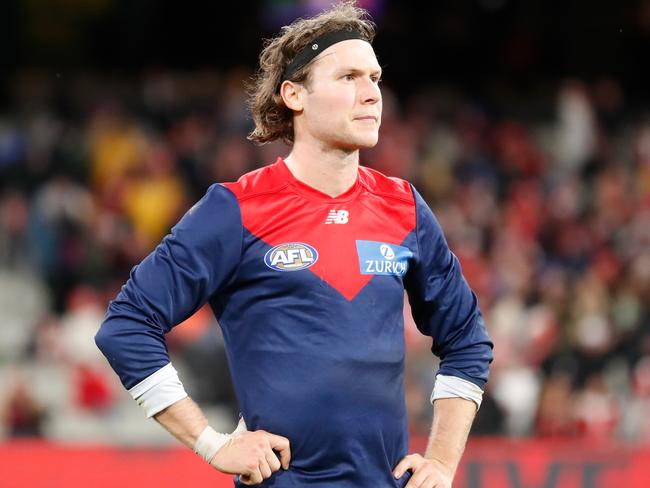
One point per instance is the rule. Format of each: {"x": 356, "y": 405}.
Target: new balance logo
{"x": 337, "y": 217}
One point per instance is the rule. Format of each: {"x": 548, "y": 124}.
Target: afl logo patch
{"x": 291, "y": 256}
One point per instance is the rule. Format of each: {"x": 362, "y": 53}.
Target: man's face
{"x": 342, "y": 105}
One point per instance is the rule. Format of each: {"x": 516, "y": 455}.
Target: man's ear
{"x": 291, "y": 94}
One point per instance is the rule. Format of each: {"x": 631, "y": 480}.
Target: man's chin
{"x": 361, "y": 142}
{"x": 368, "y": 142}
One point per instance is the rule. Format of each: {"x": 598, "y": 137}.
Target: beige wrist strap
{"x": 209, "y": 442}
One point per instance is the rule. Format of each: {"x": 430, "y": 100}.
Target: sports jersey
{"x": 308, "y": 291}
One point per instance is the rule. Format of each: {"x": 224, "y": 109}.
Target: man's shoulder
{"x": 387, "y": 186}
{"x": 257, "y": 182}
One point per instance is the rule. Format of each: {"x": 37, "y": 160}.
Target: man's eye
{"x": 348, "y": 77}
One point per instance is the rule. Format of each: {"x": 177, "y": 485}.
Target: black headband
{"x": 317, "y": 46}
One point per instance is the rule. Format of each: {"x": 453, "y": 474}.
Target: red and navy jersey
{"x": 308, "y": 291}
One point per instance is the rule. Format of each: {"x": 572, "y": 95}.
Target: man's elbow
{"x": 104, "y": 339}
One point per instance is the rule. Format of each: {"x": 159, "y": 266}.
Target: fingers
{"x": 265, "y": 469}
{"x": 268, "y": 461}
{"x": 426, "y": 473}
{"x": 269, "y": 465}
{"x": 403, "y": 466}
{"x": 421, "y": 480}
{"x": 254, "y": 478}
{"x": 273, "y": 461}
{"x": 281, "y": 445}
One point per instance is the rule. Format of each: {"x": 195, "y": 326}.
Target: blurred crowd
{"x": 544, "y": 196}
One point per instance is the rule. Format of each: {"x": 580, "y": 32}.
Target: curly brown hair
{"x": 273, "y": 119}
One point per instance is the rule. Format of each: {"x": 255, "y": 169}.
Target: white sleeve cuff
{"x": 159, "y": 390}
{"x": 454, "y": 387}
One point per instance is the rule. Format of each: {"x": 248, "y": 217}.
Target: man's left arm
{"x": 445, "y": 308}
{"x": 452, "y": 420}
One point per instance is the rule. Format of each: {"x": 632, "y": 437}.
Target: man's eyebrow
{"x": 356, "y": 71}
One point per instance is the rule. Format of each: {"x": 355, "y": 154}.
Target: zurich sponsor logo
{"x": 387, "y": 252}
{"x": 380, "y": 258}
{"x": 291, "y": 256}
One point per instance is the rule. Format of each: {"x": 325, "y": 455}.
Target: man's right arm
{"x": 198, "y": 259}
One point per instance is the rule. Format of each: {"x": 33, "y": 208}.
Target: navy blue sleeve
{"x": 443, "y": 305}
{"x": 196, "y": 260}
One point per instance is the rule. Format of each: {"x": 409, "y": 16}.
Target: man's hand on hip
{"x": 426, "y": 473}
{"x": 252, "y": 455}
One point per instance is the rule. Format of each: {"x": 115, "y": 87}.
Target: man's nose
{"x": 370, "y": 92}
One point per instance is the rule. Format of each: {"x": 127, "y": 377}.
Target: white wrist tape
{"x": 209, "y": 442}
{"x": 241, "y": 427}
{"x": 454, "y": 387}
{"x": 159, "y": 390}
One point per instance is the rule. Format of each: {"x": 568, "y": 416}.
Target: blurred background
{"x": 526, "y": 126}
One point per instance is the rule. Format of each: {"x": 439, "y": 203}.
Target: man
{"x": 304, "y": 263}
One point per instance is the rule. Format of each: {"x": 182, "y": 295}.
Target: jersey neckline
{"x": 312, "y": 193}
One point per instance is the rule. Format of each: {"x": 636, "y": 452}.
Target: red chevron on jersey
{"x": 277, "y": 208}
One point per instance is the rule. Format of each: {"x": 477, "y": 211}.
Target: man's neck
{"x": 330, "y": 171}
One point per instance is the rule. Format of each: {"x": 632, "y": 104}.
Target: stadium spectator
{"x": 22, "y": 416}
